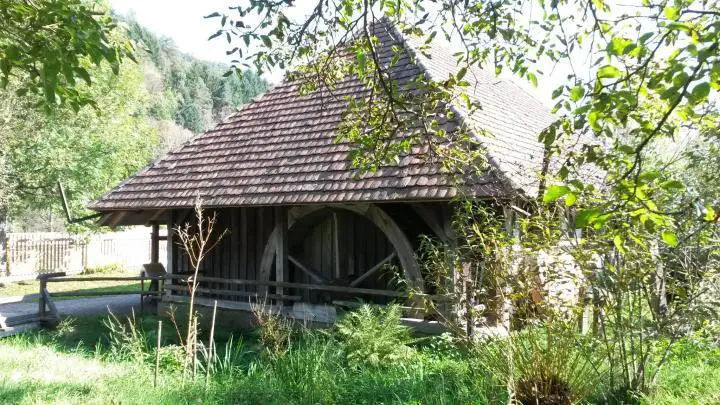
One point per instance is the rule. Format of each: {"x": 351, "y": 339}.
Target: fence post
{"x": 142, "y": 291}
{"x": 41, "y": 298}
{"x": 8, "y": 256}
{"x": 84, "y": 253}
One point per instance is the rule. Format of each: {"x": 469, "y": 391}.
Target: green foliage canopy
{"x": 48, "y": 47}
{"x": 89, "y": 151}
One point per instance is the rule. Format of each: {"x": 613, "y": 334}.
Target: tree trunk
{"x": 658, "y": 300}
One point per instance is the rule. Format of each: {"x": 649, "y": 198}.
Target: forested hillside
{"x": 194, "y": 94}
{"x": 149, "y": 107}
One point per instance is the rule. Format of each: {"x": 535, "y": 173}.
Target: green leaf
{"x": 266, "y": 41}
{"x": 461, "y": 73}
{"x": 701, "y": 91}
{"x": 553, "y": 193}
{"x": 671, "y": 12}
{"x": 672, "y": 185}
{"x": 577, "y": 93}
{"x": 618, "y": 242}
{"x": 533, "y": 79}
{"x": 362, "y": 60}
{"x": 608, "y": 72}
{"x": 709, "y": 213}
{"x": 586, "y": 217}
{"x": 570, "y": 199}
{"x": 670, "y": 238}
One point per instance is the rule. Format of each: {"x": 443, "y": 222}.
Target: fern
{"x": 373, "y": 335}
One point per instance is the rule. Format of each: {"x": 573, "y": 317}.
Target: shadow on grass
{"x": 88, "y": 334}
{"x": 109, "y": 290}
{"x": 41, "y": 392}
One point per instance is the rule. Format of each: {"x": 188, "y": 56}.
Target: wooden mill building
{"x": 300, "y": 221}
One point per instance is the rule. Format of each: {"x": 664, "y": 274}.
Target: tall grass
{"x": 84, "y": 363}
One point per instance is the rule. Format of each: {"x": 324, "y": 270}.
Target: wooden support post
{"x": 281, "y": 252}
{"x": 142, "y": 291}
{"x": 170, "y": 266}
{"x": 336, "y": 244}
{"x": 155, "y": 244}
{"x": 41, "y": 298}
{"x": 8, "y": 256}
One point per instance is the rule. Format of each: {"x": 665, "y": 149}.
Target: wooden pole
{"x": 41, "y": 299}
{"x": 155, "y": 244}
{"x": 142, "y": 291}
{"x": 8, "y": 255}
{"x": 157, "y": 353}
{"x": 211, "y": 346}
{"x": 281, "y": 254}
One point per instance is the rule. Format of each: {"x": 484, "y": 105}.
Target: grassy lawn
{"x": 32, "y": 286}
{"x": 78, "y": 363}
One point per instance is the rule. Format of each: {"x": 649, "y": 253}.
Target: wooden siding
{"x": 337, "y": 244}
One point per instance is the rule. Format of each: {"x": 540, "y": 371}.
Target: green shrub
{"x": 275, "y": 330}
{"x": 171, "y": 358}
{"x": 374, "y": 335}
{"x": 113, "y": 268}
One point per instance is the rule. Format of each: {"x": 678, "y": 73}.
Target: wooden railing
{"x": 48, "y": 312}
{"x": 299, "y": 286}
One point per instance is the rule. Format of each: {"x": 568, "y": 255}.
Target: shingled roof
{"x": 281, "y": 149}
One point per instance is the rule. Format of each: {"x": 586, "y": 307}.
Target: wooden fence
{"x": 32, "y": 254}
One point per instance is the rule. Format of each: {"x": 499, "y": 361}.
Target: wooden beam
{"x": 115, "y": 218}
{"x": 336, "y": 244}
{"x": 314, "y": 275}
{"x": 372, "y": 212}
{"x": 233, "y": 293}
{"x": 372, "y": 270}
{"x": 155, "y": 244}
{"x": 319, "y": 287}
{"x": 432, "y": 221}
{"x": 281, "y": 243}
{"x": 151, "y": 220}
{"x": 170, "y": 243}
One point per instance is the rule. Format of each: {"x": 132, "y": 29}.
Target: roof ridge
{"x": 461, "y": 114}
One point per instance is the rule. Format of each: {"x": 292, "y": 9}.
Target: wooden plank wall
{"x": 360, "y": 245}
{"x": 238, "y": 254}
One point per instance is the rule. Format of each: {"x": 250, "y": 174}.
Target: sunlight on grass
{"x": 33, "y": 286}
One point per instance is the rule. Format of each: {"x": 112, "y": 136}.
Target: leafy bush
{"x": 171, "y": 358}
{"x": 112, "y": 268}
{"x": 275, "y": 329}
{"x": 374, "y": 335}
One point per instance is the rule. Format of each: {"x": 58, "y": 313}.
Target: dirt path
{"x": 118, "y": 304}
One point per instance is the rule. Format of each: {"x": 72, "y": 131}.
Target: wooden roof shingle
{"x": 281, "y": 149}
